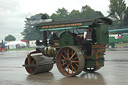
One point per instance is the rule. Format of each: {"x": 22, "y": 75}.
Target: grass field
{"x": 122, "y": 44}
{"x": 20, "y": 49}
{"x": 117, "y": 44}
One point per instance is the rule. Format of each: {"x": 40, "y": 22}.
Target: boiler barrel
{"x": 49, "y": 51}
{"x": 39, "y": 60}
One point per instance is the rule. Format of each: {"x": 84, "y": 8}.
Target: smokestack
{"x": 44, "y": 17}
{"x": 45, "y": 38}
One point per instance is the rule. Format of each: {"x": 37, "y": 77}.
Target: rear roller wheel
{"x": 70, "y": 61}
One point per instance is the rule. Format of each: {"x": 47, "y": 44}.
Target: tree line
{"x": 118, "y": 11}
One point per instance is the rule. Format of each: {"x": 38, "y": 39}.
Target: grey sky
{"x": 11, "y": 19}
{"x": 14, "y": 12}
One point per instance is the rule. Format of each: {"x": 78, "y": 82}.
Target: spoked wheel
{"x": 90, "y": 70}
{"x": 70, "y": 61}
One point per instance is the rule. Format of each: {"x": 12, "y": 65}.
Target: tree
{"x": 75, "y": 14}
{"x": 117, "y": 10}
{"x": 30, "y": 32}
{"x": 61, "y": 14}
{"x": 125, "y": 23}
{"x": 87, "y": 12}
{"x": 10, "y": 38}
{"x": 54, "y": 16}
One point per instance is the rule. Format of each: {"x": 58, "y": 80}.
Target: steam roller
{"x": 69, "y": 50}
{"x": 35, "y": 64}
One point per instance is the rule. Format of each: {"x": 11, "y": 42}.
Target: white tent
{"x": 13, "y": 44}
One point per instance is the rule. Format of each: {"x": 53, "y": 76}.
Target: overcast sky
{"x": 14, "y": 12}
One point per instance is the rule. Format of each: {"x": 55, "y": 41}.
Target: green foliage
{"x": 61, "y": 14}
{"x": 54, "y": 16}
{"x": 10, "y": 38}
{"x": 21, "y": 49}
{"x": 125, "y": 23}
{"x": 30, "y": 32}
{"x": 75, "y": 14}
{"x": 117, "y": 10}
{"x": 87, "y": 11}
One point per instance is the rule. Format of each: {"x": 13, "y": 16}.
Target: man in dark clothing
{"x": 90, "y": 38}
{"x": 53, "y": 37}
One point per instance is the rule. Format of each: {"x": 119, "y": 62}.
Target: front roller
{"x": 38, "y": 64}
{"x": 70, "y": 61}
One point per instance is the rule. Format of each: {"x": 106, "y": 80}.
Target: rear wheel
{"x": 70, "y": 61}
{"x": 90, "y": 70}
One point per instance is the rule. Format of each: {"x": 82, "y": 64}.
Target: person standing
{"x": 87, "y": 39}
{"x": 3, "y": 46}
{"x": 0, "y": 46}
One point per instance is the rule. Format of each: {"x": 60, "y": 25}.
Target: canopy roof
{"x": 73, "y": 24}
{"x": 63, "y": 28}
{"x": 118, "y": 30}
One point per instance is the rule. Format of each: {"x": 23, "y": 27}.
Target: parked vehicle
{"x": 117, "y": 35}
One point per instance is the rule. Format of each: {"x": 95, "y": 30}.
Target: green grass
{"x": 117, "y": 44}
{"x": 122, "y": 44}
{"x": 20, "y": 49}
